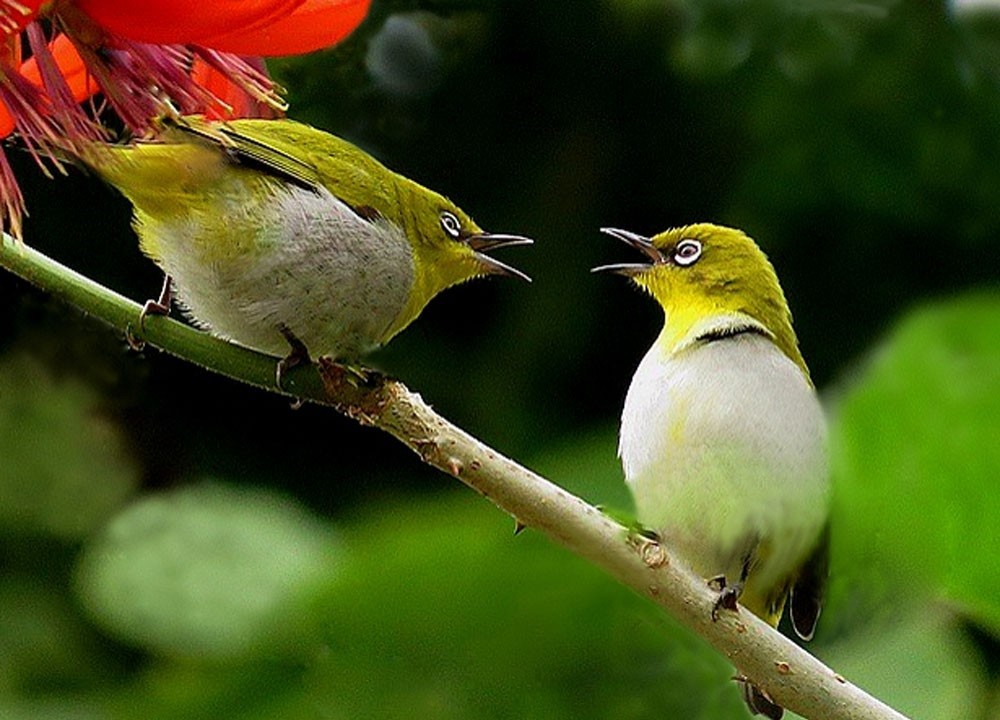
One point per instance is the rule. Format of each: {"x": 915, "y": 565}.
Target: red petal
{"x": 314, "y": 25}
{"x": 183, "y": 22}
{"x": 80, "y": 82}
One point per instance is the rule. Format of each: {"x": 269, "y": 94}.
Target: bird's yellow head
{"x": 448, "y": 246}
{"x": 709, "y": 280}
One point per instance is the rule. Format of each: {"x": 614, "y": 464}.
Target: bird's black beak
{"x": 481, "y": 243}
{"x": 641, "y": 243}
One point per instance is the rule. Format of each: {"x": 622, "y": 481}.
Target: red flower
{"x": 148, "y": 58}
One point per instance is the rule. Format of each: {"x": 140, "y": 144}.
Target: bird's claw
{"x": 299, "y": 355}
{"x": 136, "y": 344}
{"x": 159, "y": 306}
{"x": 728, "y": 595}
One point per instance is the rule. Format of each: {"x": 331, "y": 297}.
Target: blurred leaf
{"x": 207, "y": 571}
{"x": 47, "y": 648}
{"x": 65, "y": 467}
{"x": 916, "y": 464}
{"x": 920, "y": 664}
{"x": 443, "y": 613}
{"x": 438, "y": 611}
{"x": 58, "y": 709}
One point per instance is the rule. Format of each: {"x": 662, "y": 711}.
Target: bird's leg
{"x": 160, "y": 306}
{"x": 299, "y": 355}
{"x": 729, "y": 594}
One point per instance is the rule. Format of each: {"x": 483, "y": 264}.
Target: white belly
{"x": 336, "y": 281}
{"x": 724, "y": 444}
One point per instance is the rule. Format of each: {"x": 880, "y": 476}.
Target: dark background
{"x": 859, "y": 143}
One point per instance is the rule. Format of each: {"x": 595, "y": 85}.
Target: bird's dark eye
{"x": 451, "y": 224}
{"x": 687, "y": 252}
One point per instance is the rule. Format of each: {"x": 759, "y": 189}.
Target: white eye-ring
{"x": 687, "y": 252}
{"x": 451, "y": 224}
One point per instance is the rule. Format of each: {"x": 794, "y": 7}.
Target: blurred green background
{"x": 174, "y": 545}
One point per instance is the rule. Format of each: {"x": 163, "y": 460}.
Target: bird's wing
{"x": 249, "y": 148}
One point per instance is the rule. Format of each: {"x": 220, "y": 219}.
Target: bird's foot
{"x": 728, "y": 595}
{"x": 299, "y": 355}
{"x": 159, "y": 306}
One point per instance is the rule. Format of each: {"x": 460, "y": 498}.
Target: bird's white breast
{"x": 722, "y": 442}
{"x": 335, "y": 280}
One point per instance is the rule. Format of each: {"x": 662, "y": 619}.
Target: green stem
{"x": 159, "y": 331}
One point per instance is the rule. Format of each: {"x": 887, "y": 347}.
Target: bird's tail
{"x": 156, "y": 176}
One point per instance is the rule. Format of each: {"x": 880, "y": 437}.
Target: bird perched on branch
{"x": 723, "y": 439}
{"x": 288, "y": 240}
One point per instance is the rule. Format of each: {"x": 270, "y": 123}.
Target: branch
{"x": 790, "y": 675}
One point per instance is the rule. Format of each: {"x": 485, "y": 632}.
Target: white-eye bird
{"x": 723, "y": 439}
{"x": 279, "y": 236}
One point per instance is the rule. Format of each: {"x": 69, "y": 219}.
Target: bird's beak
{"x": 641, "y": 243}
{"x": 481, "y": 243}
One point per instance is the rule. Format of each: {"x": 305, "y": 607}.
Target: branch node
{"x": 652, "y": 553}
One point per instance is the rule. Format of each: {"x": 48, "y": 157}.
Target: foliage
{"x": 324, "y": 573}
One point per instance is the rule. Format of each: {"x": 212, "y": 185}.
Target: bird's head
{"x": 709, "y": 279}
{"x": 448, "y": 246}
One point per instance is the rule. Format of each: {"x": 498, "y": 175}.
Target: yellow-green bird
{"x": 281, "y": 237}
{"x": 723, "y": 439}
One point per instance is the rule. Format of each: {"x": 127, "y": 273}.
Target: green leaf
{"x": 48, "y": 649}
{"x": 65, "y": 467}
{"x": 920, "y": 664}
{"x": 917, "y": 459}
{"x": 206, "y": 571}
{"x": 442, "y": 612}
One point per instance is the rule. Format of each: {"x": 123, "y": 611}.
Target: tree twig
{"x": 790, "y": 675}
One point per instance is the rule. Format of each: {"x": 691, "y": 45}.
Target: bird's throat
{"x": 687, "y": 326}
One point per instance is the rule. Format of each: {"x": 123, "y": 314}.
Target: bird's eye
{"x": 451, "y": 224}
{"x": 687, "y": 252}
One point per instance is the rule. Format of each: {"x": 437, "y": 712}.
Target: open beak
{"x": 639, "y": 242}
{"x": 482, "y": 243}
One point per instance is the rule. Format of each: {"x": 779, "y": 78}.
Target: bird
{"x": 723, "y": 437}
{"x": 289, "y": 240}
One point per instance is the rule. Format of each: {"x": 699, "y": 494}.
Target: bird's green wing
{"x": 262, "y": 152}
{"x": 306, "y": 157}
